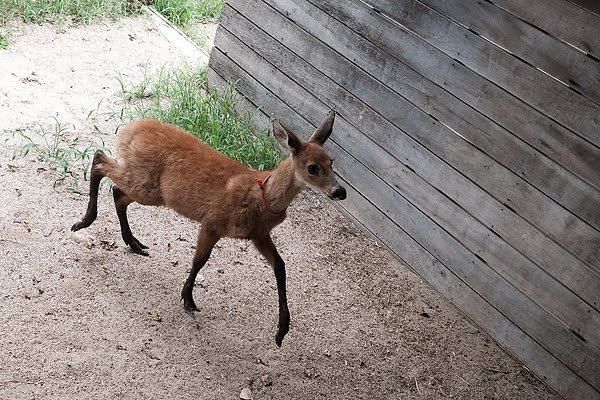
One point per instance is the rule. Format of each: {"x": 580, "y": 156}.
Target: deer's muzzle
{"x": 338, "y": 193}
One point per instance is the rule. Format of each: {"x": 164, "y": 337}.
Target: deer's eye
{"x": 313, "y": 169}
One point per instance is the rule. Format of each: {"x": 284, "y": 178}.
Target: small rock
{"x": 246, "y": 394}
{"x": 84, "y": 239}
{"x": 266, "y": 380}
{"x": 310, "y": 373}
{"x": 108, "y": 245}
{"x": 263, "y": 362}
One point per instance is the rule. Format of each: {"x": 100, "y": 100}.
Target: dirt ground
{"x": 82, "y": 317}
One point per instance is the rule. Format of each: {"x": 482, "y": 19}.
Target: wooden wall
{"x": 468, "y": 138}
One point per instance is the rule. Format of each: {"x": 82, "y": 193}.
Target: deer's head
{"x": 313, "y": 165}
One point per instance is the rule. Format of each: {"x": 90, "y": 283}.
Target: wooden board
{"x": 535, "y": 47}
{"x": 265, "y": 96}
{"x": 498, "y": 225}
{"x": 257, "y": 68}
{"x": 590, "y": 5}
{"x": 564, "y": 20}
{"x": 517, "y": 195}
{"x": 530, "y": 85}
{"x": 559, "y": 144}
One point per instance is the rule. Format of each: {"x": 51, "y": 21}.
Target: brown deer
{"x": 161, "y": 164}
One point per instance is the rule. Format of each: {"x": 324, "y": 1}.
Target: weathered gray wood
{"x": 559, "y": 144}
{"x": 474, "y": 127}
{"x": 560, "y": 18}
{"x": 590, "y": 5}
{"x": 428, "y": 233}
{"x": 535, "y": 208}
{"x": 545, "y": 291}
{"x": 543, "y": 51}
{"x": 438, "y": 244}
{"x": 523, "y": 81}
{"x": 550, "y": 369}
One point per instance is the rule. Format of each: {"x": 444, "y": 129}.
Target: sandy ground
{"x": 83, "y": 317}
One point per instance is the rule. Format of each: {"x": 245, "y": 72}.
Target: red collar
{"x": 262, "y": 185}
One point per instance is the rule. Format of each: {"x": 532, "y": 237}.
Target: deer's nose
{"x": 339, "y": 193}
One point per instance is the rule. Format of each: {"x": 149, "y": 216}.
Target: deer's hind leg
{"x": 121, "y": 203}
{"x": 267, "y": 248}
{"x": 96, "y": 176}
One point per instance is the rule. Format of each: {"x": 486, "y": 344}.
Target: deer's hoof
{"x": 279, "y": 339}
{"x": 137, "y": 249}
{"x": 189, "y": 307}
{"x": 79, "y": 225}
{"x": 190, "y": 312}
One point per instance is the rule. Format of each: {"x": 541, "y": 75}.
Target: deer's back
{"x": 167, "y": 163}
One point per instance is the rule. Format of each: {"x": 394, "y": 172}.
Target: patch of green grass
{"x": 185, "y": 12}
{"x": 84, "y": 11}
{"x": 180, "y": 97}
{"x": 70, "y": 159}
{"x": 188, "y": 14}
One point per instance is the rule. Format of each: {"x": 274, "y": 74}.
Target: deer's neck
{"x": 282, "y": 186}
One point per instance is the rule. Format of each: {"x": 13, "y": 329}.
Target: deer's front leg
{"x": 204, "y": 246}
{"x": 267, "y": 248}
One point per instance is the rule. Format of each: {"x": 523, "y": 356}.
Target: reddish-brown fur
{"x": 161, "y": 164}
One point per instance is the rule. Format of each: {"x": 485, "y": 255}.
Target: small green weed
{"x": 71, "y": 160}
{"x": 180, "y": 97}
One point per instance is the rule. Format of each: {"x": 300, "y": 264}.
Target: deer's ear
{"x": 322, "y": 133}
{"x": 286, "y": 138}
